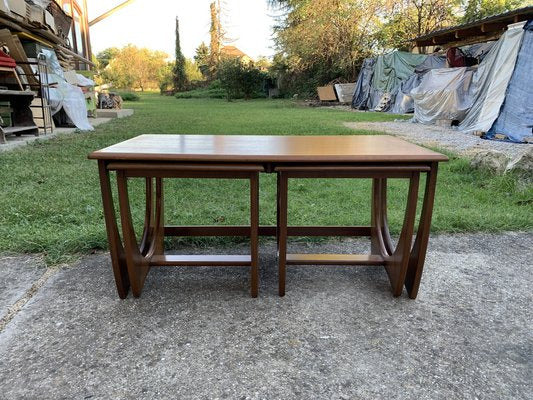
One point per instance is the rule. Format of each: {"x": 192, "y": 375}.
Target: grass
{"x": 50, "y": 200}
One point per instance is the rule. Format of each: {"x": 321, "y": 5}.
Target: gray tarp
{"x": 516, "y": 116}
{"x": 490, "y": 81}
{"x": 362, "y": 87}
{"x": 390, "y": 70}
{"x": 478, "y": 50}
{"x": 442, "y": 94}
{"x": 403, "y": 102}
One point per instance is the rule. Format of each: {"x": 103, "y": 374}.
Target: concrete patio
{"x": 338, "y": 333}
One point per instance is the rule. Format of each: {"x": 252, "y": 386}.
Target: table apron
{"x": 265, "y": 230}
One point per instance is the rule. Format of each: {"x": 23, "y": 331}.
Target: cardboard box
{"x": 326, "y": 93}
{"x": 34, "y": 14}
{"x": 4, "y": 6}
{"x": 49, "y": 21}
{"x": 17, "y": 7}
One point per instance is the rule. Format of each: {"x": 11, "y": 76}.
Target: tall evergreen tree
{"x": 201, "y": 58}
{"x": 214, "y": 45}
{"x": 180, "y": 78}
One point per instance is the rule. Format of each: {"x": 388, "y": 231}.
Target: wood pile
{"x": 50, "y": 26}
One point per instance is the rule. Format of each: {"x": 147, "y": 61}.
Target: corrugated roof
{"x": 523, "y": 13}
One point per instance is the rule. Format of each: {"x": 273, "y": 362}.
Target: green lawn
{"x": 50, "y": 200}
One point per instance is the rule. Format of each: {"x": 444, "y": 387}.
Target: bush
{"x": 240, "y": 80}
{"x": 202, "y": 94}
{"x": 129, "y": 96}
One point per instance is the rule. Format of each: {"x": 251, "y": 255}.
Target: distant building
{"x": 233, "y": 52}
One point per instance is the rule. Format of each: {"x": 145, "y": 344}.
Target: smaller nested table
{"x": 157, "y": 157}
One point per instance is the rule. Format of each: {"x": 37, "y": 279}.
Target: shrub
{"x": 240, "y": 80}
{"x": 129, "y": 96}
{"x": 202, "y": 94}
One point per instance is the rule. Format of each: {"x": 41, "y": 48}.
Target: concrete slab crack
{"x": 20, "y": 303}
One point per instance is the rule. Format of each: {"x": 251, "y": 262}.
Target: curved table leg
{"x": 380, "y": 238}
{"x": 153, "y": 235}
{"x": 396, "y": 265}
{"x": 148, "y": 218}
{"x": 418, "y": 253}
{"x": 138, "y": 266}
{"x": 118, "y": 256}
{"x": 396, "y": 262}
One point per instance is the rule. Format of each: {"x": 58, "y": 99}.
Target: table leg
{"x": 282, "y": 230}
{"x": 138, "y": 266}
{"x": 380, "y": 238}
{"x": 118, "y": 256}
{"x": 397, "y": 264}
{"x": 254, "y": 234}
{"x": 418, "y": 253}
{"x": 149, "y": 221}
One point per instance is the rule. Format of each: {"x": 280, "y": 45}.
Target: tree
{"x": 201, "y": 58}
{"x": 180, "y": 78}
{"x": 262, "y": 63}
{"x": 105, "y": 56}
{"x": 411, "y": 18}
{"x": 214, "y": 44}
{"x": 192, "y": 71}
{"x": 478, "y": 9}
{"x": 166, "y": 75}
{"x": 328, "y": 38}
{"x": 238, "y": 79}
{"x": 134, "y": 67}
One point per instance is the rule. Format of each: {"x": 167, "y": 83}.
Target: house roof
{"x": 232, "y": 51}
{"x": 481, "y": 30}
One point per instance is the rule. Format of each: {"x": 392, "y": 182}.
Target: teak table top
{"x": 263, "y": 148}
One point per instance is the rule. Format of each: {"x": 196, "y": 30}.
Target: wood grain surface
{"x": 262, "y": 148}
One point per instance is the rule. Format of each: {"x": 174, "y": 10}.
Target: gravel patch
{"x": 440, "y": 137}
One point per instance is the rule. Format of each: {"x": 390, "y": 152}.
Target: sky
{"x": 151, "y": 24}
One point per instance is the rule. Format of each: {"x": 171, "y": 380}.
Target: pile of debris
{"x": 483, "y": 89}
{"x": 41, "y": 69}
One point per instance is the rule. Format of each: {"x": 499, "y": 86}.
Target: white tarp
{"x": 490, "y": 81}
{"x": 345, "y": 91}
{"x": 442, "y": 94}
{"x": 63, "y": 94}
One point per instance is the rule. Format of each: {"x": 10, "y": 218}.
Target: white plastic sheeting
{"x": 490, "y": 81}
{"x": 65, "y": 95}
{"x": 443, "y": 94}
{"x": 73, "y": 102}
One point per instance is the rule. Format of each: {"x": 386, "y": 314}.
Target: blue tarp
{"x": 516, "y": 116}
{"x": 362, "y": 87}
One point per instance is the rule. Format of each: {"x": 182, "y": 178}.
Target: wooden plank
{"x": 326, "y": 93}
{"x": 19, "y": 129}
{"x": 201, "y": 260}
{"x": 334, "y": 259}
{"x": 19, "y": 93}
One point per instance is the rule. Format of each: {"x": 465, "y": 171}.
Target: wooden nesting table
{"x": 158, "y": 157}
